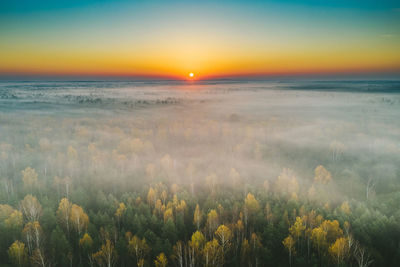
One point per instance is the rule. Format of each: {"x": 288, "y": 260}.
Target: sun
{"x": 191, "y": 75}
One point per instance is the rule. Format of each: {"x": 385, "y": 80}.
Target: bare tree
{"x": 370, "y": 187}
{"x": 361, "y": 255}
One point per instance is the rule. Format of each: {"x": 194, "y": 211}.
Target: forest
{"x": 224, "y": 174}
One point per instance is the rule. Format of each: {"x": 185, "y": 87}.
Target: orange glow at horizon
{"x": 175, "y": 43}
{"x": 209, "y": 59}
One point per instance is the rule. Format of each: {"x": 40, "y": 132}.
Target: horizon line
{"x": 240, "y": 77}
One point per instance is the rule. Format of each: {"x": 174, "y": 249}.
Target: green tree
{"x": 60, "y": 248}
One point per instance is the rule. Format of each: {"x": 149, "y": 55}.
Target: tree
{"x": 245, "y": 251}
{"x": 297, "y": 229}
{"x": 60, "y": 248}
{"x": 332, "y": 229}
{"x": 224, "y": 237}
{"x": 64, "y": 213}
{"x": 14, "y": 220}
{"x": 197, "y": 240}
{"x": 212, "y": 222}
{"x": 120, "y": 211}
{"x": 179, "y": 253}
{"x": 196, "y": 245}
{"x": 197, "y": 216}
{"x": 345, "y": 208}
{"x": 31, "y": 208}
{"x": 251, "y": 207}
{"x": 252, "y": 204}
{"x": 151, "y": 197}
{"x": 212, "y": 254}
{"x": 137, "y": 247}
{"x": 181, "y": 207}
{"x": 322, "y": 175}
{"x": 106, "y": 256}
{"x": 286, "y": 183}
{"x": 29, "y": 178}
{"x": 318, "y": 237}
{"x": 161, "y": 260}
{"x": 255, "y": 245}
{"x": 211, "y": 181}
{"x": 361, "y": 255}
{"x": 239, "y": 231}
{"x": 269, "y": 215}
{"x": 311, "y": 222}
{"x": 33, "y": 235}
{"x": 289, "y": 243}
{"x": 5, "y": 211}
{"x": 164, "y": 196}
{"x": 65, "y": 182}
{"x": 339, "y": 250}
{"x": 168, "y": 214}
{"x": 18, "y": 253}
{"x": 337, "y": 148}
{"x": 38, "y": 258}
{"x": 369, "y": 187}
{"x": 86, "y": 242}
{"x": 79, "y": 218}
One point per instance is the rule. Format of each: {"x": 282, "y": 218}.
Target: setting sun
{"x": 191, "y": 75}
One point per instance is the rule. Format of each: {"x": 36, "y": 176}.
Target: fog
{"x": 117, "y": 129}
{"x": 93, "y": 140}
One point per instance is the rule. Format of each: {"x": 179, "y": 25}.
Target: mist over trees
{"x": 206, "y": 174}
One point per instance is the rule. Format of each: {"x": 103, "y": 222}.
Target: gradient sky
{"x": 210, "y": 38}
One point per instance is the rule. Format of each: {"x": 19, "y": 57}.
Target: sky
{"x": 212, "y": 39}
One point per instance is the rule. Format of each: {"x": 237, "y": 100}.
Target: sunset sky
{"x": 212, "y": 39}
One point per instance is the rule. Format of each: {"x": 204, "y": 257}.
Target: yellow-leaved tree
{"x": 289, "y": 244}
{"x": 106, "y": 256}
{"x": 340, "y": 250}
{"x": 297, "y": 230}
{"x": 197, "y": 217}
{"x": 79, "y": 218}
{"x": 18, "y": 253}
{"x": 120, "y": 212}
{"x": 196, "y": 245}
{"x": 212, "y": 222}
{"x": 318, "y": 238}
{"x": 251, "y": 207}
{"x": 322, "y": 175}
{"x": 161, "y": 260}
{"x": 212, "y": 254}
{"x": 86, "y": 243}
{"x": 64, "y": 213}
{"x": 14, "y": 220}
{"x": 224, "y": 237}
{"x": 138, "y": 248}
